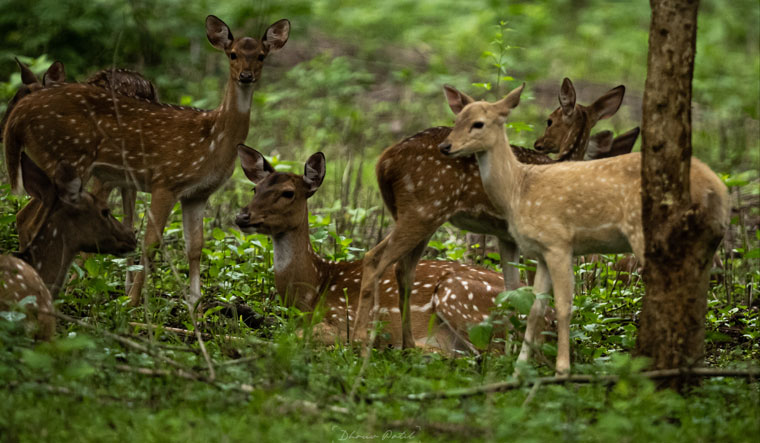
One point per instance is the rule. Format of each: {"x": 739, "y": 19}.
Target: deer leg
{"x": 406, "y": 269}
{"x": 542, "y": 285}
{"x": 192, "y": 224}
{"x": 509, "y": 253}
{"x": 128, "y": 201}
{"x": 161, "y": 206}
{"x": 560, "y": 266}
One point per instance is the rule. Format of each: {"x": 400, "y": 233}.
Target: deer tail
{"x": 13, "y": 148}
{"x": 386, "y": 177}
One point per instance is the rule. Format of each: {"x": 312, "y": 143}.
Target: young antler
{"x": 423, "y": 189}
{"x": 548, "y": 210}
{"x": 175, "y": 153}
{"x": 455, "y": 295}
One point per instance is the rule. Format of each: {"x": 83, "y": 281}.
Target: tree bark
{"x": 679, "y": 248}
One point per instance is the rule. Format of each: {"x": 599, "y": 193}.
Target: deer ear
{"x": 623, "y": 144}
{"x": 598, "y": 145}
{"x": 36, "y": 182}
{"x": 505, "y": 105}
{"x": 314, "y": 173}
{"x": 56, "y": 73}
{"x": 277, "y": 35}
{"x": 27, "y": 76}
{"x": 567, "y": 97}
{"x": 218, "y": 33}
{"x": 457, "y": 99}
{"x": 67, "y": 183}
{"x": 255, "y": 166}
{"x": 607, "y": 105}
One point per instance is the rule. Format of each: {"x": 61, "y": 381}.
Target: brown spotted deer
{"x": 423, "y": 189}
{"x": 175, "y": 153}
{"x": 457, "y": 294}
{"x": 120, "y": 81}
{"x": 68, "y": 220}
{"x": 548, "y": 210}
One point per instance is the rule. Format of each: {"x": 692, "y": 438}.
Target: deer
{"x": 69, "y": 220}
{"x": 549, "y": 214}
{"x": 422, "y": 189}
{"x": 456, "y": 295}
{"x": 120, "y": 81}
{"x": 175, "y": 153}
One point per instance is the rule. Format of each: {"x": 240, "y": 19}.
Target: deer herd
{"x": 584, "y": 199}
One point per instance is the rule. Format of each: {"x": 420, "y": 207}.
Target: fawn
{"x": 68, "y": 220}
{"x": 548, "y": 210}
{"x": 423, "y": 189}
{"x": 457, "y": 294}
{"x": 175, "y": 153}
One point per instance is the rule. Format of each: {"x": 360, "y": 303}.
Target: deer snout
{"x": 243, "y": 219}
{"x": 445, "y": 147}
{"x": 246, "y": 77}
{"x": 539, "y": 145}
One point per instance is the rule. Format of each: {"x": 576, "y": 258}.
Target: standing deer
{"x": 457, "y": 294}
{"x": 175, "y": 153}
{"x": 120, "y": 81}
{"x": 548, "y": 210}
{"x": 423, "y": 189}
{"x": 69, "y": 220}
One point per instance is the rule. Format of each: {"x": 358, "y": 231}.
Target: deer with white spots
{"x": 55, "y": 236}
{"x": 175, "y": 153}
{"x": 423, "y": 189}
{"x": 120, "y": 81}
{"x": 457, "y": 294}
{"x": 548, "y": 210}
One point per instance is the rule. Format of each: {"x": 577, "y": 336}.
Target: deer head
{"x": 246, "y": 54}
{"x": 65, "y": 220}
{"x": 566, "y": 121}
{"x": 279, "y": 204}
{"x": 479, "y": 125}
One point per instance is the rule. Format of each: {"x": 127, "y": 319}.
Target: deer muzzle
{"x": 445, "y": 147}
{"x": 246, "y": 77}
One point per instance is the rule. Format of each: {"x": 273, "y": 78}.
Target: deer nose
{"x": 243, "y": 219}
{"x": 246, "y": 77}
{"x": 538, "y": 145}
{"x": 445, "y": 147}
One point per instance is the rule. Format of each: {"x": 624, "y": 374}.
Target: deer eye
{"x": 477, "y": 125}
{"x": 261, "y": 57}
{"x": 288, "y": 194}
{"x": 548, "y": 122}
{"x": 233, "y": 56}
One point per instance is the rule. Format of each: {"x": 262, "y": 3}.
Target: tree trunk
{"x": 679, "y": 248}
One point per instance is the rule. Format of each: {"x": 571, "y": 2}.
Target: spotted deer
{"x": 548, "y": 210}
{"x": 175, "y": 153}
{"x": 120, "y": 81}
{"x": 454, "y": 294}
{"x": 422, "y": 189}
{"x": 68, "y": 220}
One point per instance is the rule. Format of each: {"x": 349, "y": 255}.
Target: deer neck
{"x": 233, "y": 116}
{"x": 50, "y": 253}
{"x": 502, "y": 175}
{"x": 298, "y": 270}
{"x": 577, "y": 138}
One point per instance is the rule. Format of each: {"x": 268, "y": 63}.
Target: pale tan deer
{"x": 457, "y": 294}
{"x": 548, "y": 210}
{"x": 423, "y": 189}
{"x": 68, "y": 220}
{"x": 175, "y": 153}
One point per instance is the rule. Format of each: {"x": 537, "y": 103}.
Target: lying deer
{"x": 70, "y": 220}
{"x": 548, "y": 210}
{"x": 423, "y": 189}
{"x": 175, "y": 153}
{"x": 454, "y": 294}
{"x": 120, "y": 81}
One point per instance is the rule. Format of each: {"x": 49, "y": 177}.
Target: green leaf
{"x": 218, "y": 234}
{"x": 480, "y": 335}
